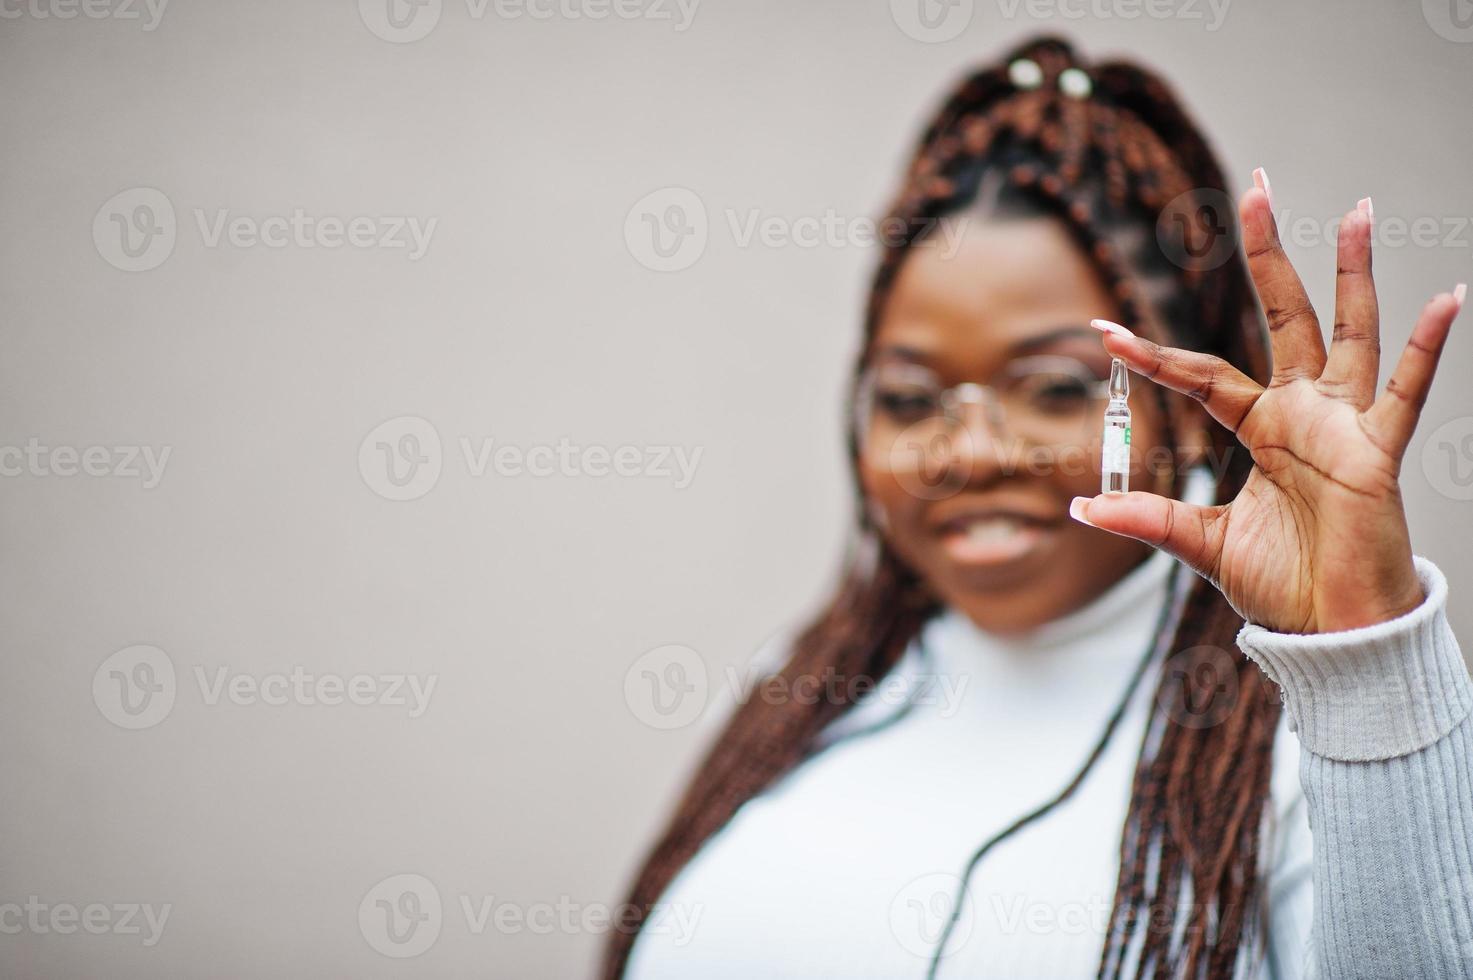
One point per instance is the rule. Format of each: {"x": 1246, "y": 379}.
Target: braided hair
{"x": 1108, "y": 150}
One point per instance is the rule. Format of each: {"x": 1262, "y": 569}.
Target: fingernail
{"x": 1110, "y": 326}
{"x": 1260, "y": 179}
{"x": 1460, "y": 293}
{"x": 1365, "y": 207}
{"x": 1076, "y": 510}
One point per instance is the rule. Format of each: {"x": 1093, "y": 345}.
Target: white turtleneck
{"x": 847, "y": 866}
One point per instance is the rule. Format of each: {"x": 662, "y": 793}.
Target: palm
{"x": 1317, "y": 538}
{"x": 1290, "y": 532}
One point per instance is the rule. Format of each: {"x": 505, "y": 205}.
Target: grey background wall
{"x": 249, "y": 500}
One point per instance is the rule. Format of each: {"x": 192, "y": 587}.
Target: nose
{"x": 976, "y": 441}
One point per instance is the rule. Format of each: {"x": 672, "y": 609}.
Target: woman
{"x": 1113, "y": 789}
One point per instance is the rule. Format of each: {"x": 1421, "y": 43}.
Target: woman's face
{"x": 983, "y": 515}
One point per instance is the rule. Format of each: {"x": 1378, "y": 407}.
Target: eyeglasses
{"x": 1042, "y": 400}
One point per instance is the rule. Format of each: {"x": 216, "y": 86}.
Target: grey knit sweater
{"x": 1383, "y": 718}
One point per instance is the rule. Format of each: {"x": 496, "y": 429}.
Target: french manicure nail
{"x": 1460, "y": 293}
{"x": 1260, "y": 178}
{"x": 1365, "y": 207}
{"x": 1076, "y": 510}
{"x": 1109, "y": 326}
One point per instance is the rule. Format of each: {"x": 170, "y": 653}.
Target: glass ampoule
{"x": 1115, "y": 458}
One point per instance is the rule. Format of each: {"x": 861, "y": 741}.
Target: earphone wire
{"x": 1165, "y": 629}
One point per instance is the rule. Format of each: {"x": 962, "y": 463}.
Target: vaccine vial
{"x": 1115, "y": 459}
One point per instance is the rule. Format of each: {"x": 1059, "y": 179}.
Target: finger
{"x": 1355, "y": 350}
{"x": 1227, "y": 393}
{"x": 1393, "y": 418}
{"x": 1293, "y": 328}
{"x": 1190, "y": 533}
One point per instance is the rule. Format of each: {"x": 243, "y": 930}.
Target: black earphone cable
{"x": 1161, "y": 637}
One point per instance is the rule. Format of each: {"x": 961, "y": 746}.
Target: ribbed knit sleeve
{"x": 1384, "y": 715}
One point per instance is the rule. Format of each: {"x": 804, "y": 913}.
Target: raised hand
{"x": 1317, "y": 540}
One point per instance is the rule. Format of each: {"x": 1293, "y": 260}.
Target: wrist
{"x": 1391, "y": 596}
{"x": 1370, "y": 616}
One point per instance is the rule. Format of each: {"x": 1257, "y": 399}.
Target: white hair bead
{"x": 1025, "y": 74}
{"x": 1075, "y": 83}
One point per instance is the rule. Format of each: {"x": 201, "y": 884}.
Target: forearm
{"x": 1385, "y": 718}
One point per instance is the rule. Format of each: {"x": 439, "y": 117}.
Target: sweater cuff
{"x": 1377, "y": 692}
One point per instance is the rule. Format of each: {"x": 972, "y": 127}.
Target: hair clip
{"x": 1025, "y": 74}
{"x": 1074, "y": 83}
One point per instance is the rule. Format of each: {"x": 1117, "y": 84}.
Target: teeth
{"x": 992, "y": 528}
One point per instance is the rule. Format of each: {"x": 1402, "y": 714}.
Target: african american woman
{"x": 1216, "y": 726}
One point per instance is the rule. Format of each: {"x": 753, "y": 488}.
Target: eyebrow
{"x": 1053, "y": 337}
{"x": 1027, "y": 345}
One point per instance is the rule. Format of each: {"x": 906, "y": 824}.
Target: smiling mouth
{"x": 992, "y": 539}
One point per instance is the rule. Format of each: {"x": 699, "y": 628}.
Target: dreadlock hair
{"x": 1120, "y": 163}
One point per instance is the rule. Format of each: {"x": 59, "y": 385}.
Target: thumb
{"x": 1188, "y": 532}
